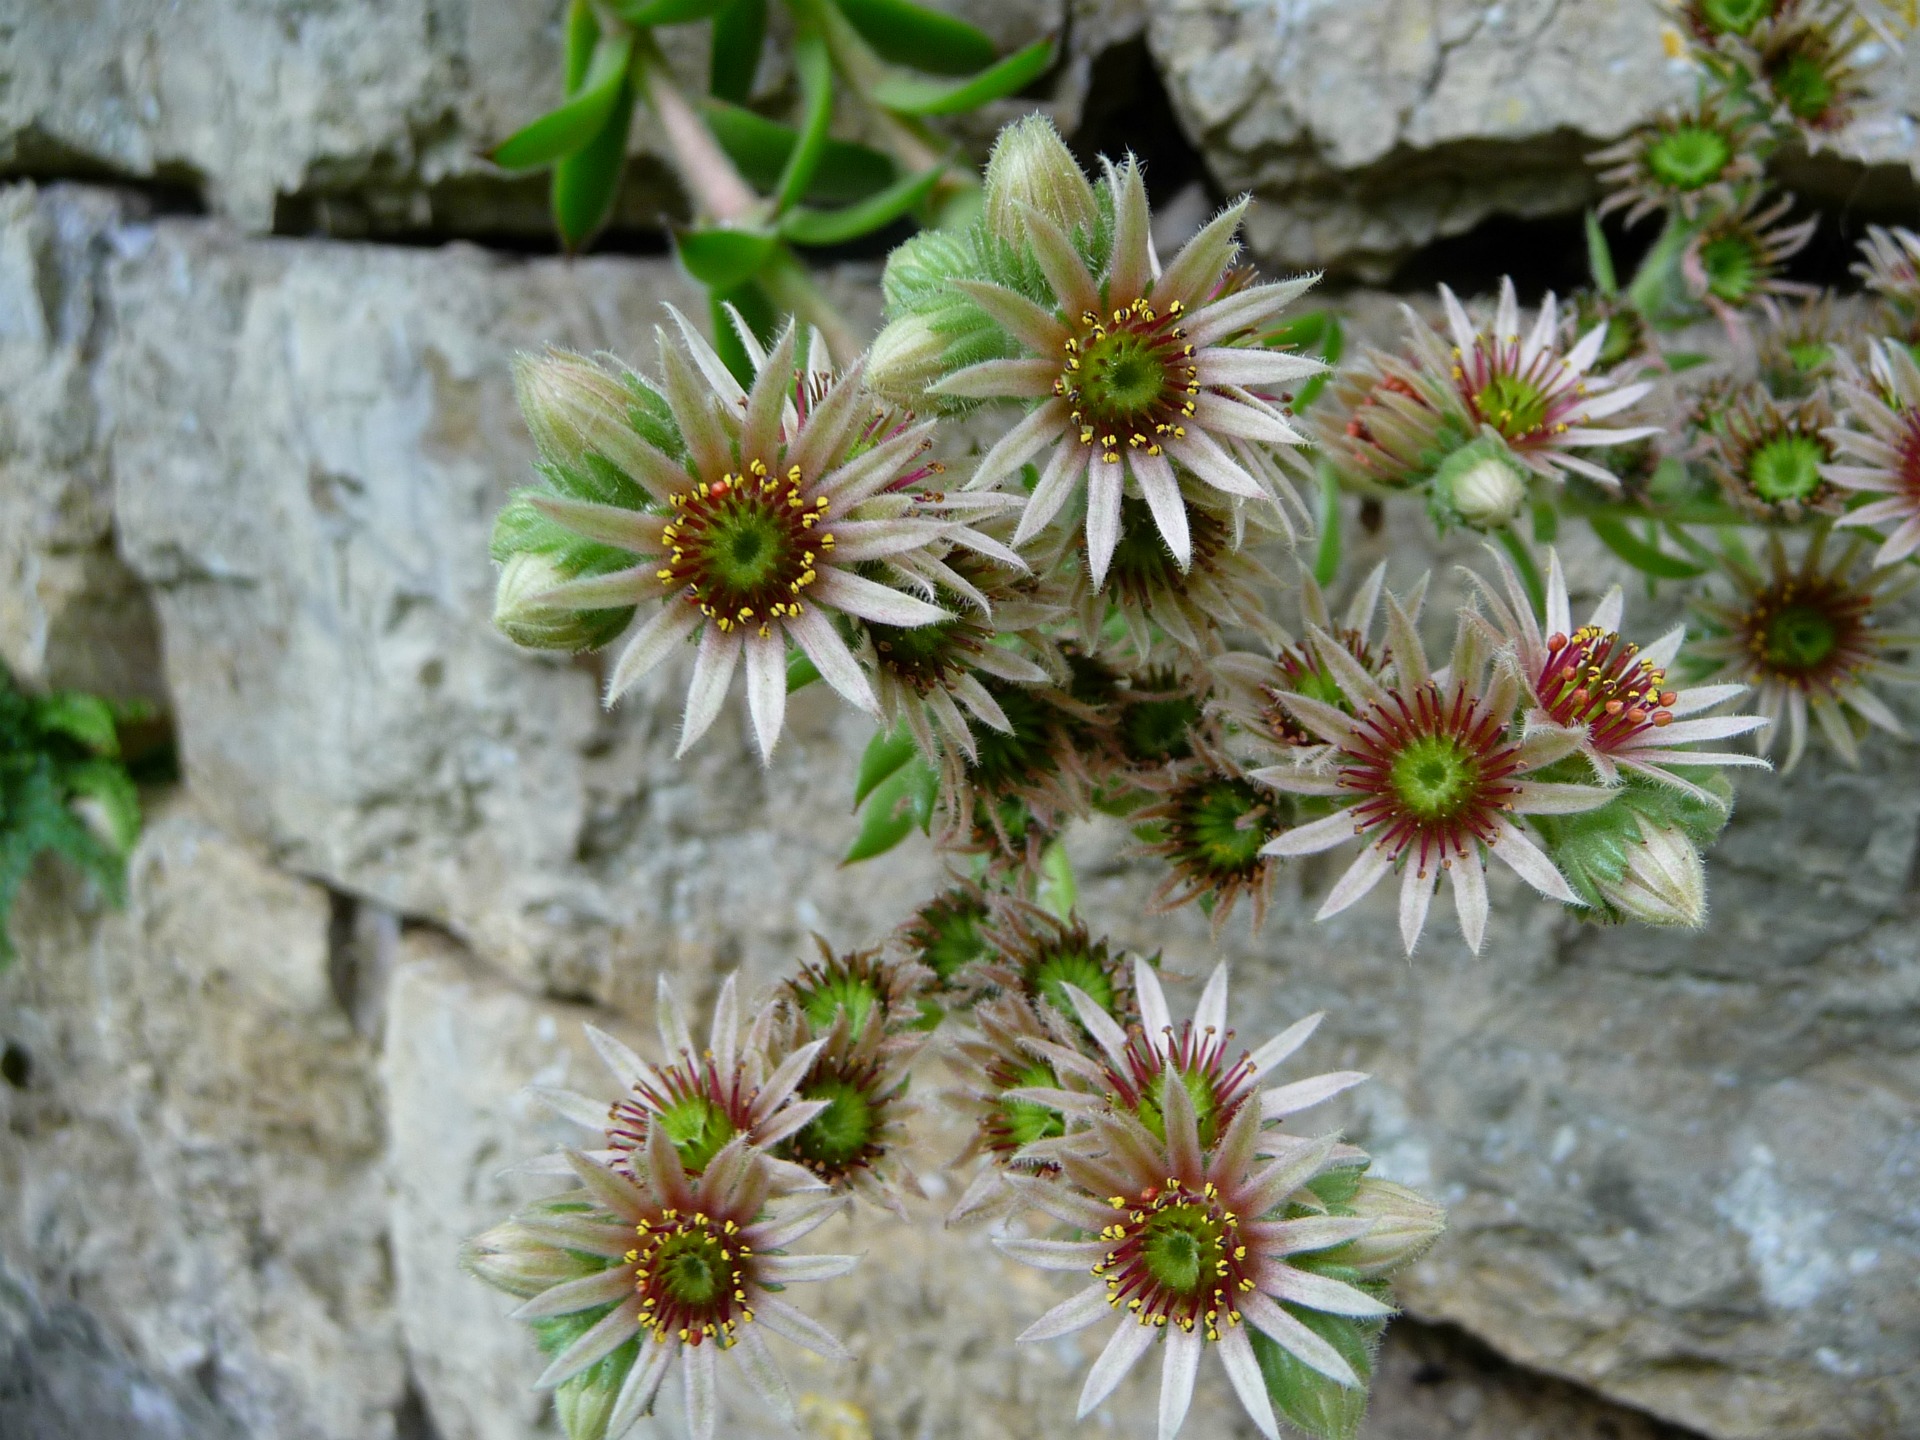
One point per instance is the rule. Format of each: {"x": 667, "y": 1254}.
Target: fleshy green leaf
{"x": 1320, "y": 1406}
{"x": 886, "y": 820}
{"x": 1330, "y": 349}
{"x": 801, "y": 672}
{"x": 739, "y": 35}
{"x": 85, "y": 718}
{"x": 760, "y": 148}
{"x": 587, "y": 182}
{"x": 836, "y": 227}
{"x": 108, "y": 784}
{"x": 665, "y": 12}
{"x": 1326, "y": 554}
{"x": 724, "y": 258}
{"x": 583, "y": 31}
{"x": 929, "y": 40}
{"x": 1523, "y": 562}
{"x": 911, "y": 95}
{"x": 1646, "y": 557}
{"x": 1600, "y": 258}
{"x": 754, "y": 307}
{"x": 574, "y": 125}
{"x": 1057, "y": 890}
{"x": 885, "y": 754}
{"x": 814, "y": 67}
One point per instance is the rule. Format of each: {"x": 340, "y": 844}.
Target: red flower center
{"x": 1598, "y": 680}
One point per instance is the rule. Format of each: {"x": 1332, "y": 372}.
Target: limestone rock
{"x": 1374, "y": 127}
{"x": 191, "y": 1149}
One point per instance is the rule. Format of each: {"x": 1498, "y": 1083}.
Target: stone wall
{"x": 248, "y": 1117}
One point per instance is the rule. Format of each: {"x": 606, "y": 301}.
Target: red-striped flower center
{"x": 1129, "y": 379}
{"x": 1433, "y": 771}
{"x": 1598, "y": 680}
{"x": 1811, "y": 634}
{"x": 743, "y": 547}
{"x": 691, "y": 1271}
{"x": 699, "y": 1108}
{"x": 1196, "y": 1060}
{"x": 1176, "y": 1255}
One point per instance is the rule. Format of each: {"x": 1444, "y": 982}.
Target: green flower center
{"x": 1156, "y": 730}
{"x": 1183, "y": 1248}
{"x": 1799, "y": 639}
{"x": 1690, "y": 157}
{"x": 839, "y": 1135}
{"x": 1804, "y": 84}
{"x": 1128, "y": 380}
{"x": 689, "y": 1269}
{"x": 952, "y": 940}
{"x": 1004, "y": 759}
{"x": 1025, "y": 1121}
{"x": 1219, "y": 835}
{"x": 1809, "y": 355}
{"x": 1122, "y": 374}
{"x": 855, "y": 994}
{"x": 1049, "y": 974}
{"x": 1151, "y": 1109}
{"x": 1434, "y": 777}
{"x": 1512, "y": 404}
{"x": 1734, "y": 17}
{"x": 1734, "y": 266}
{"x": 698, "y": 1128}
{"x": 744, "y": 548}
{"x": 1786, "y": 468}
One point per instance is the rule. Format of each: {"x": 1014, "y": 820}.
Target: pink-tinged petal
{"x": 1297, "y": 1340}
{"x": 1243, "y": 1371}
{"x": 1156, "y": 1020}
{"x": 1874, "y": 710}
{"x": 711, "y": 366}
{"x": 1029, "y": 379}
{"x": 1223, "y": 416}
{"x": 1183, "y": 1132}
{"x": 675, "y": 1037}
{"x": 1285, "y": 1100}
{"x": 1545, "y": 797}
{"x": 1541, "y": 337}
{"x": 1314, "y": 837}
{"x": 1177, "y": 1373}
{"x": 1034, "y": 326}
{"x": 1276, "y": 1051}
{"x": 1587, "y": 349}
{"x": 1298, "y": 1164}
{"x": 642, "y": 1384}
{"x": 1106, "y": 1033}
{"x": 1506, "y": 312}
{"x": 603, "y": 1288}
{"x": 790, "y": 1120}
{"x": 1163, "y": 499}
{"x": 703, "y": 1402}
{"x": 1696, "y": 698}
{"x": 869, "y": 473}
{"x": 723, "y": 1036}
{"x": 781, "y": 1318}
{"x": 1318, "y": 1292}
{"x": 693, "y": 407}
{"x": 1066, "y": 469}
{"x": 1258, "y": 368}
{"x": 629, "y": 1069}
{"x": 782, "y": 1082}
{"x": 1530, "y": 863}
{"x": 801, "y": 1269}
{"x": 1298, "y": 782}
{"x": 1305, "y": 1235}
{"x": 618, "y": 1326}
{"x": 1103, "y": 519}
{"x": 1245, "y": 311}
{"x": 1416, "y": 895}
{"x": 857, "y": 540}
{"x": 634, "y": 531}
{"x": 1366, "y": 872}
{"x": 830, "y": 425}
{"x": 796, "y": 1223}
{"x": 588, "y": 1114}
{"x": 1129, "y": 1341}
{"x": 576, "y": 1232}
{"x": 1469, "y": 878}
{"x": 1461, "y": 328}
{"x": 615, "y": 1192}
{"x": 1879, "y": 510}
{"x": 668, "y": 629}
{"x": 766, "y": 693}
{"x": 821, "y": 643}
{"x": 1067, "y": 1317}
{"x": 1131, "y": 269}
{"x": 1900, "y": 544}
{"x": 1066, "y": 274}
{"x": 1600, "y": 405}
{"x": 1859, "y": 477}
{"x": 772, "y": 392}
{"x": 870, "y": 600}
{"x": 713, "y": 666}
{"x": 1714, "y": 727}
{"x": 1211, "y": 1013}
{"x": 1202, "y": 455}
{"x": 763, "y": 1373}
{"x": 1061, "y": 1203}
{"x": 1196, "y": 270}
{"x": 1048, "y": 422}
{"x": 613, "y": 590}
{"x": 1053, "y": 1254}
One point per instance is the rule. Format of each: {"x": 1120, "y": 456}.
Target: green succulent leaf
{"x": 885, "y": 754}
{"x": 1600, "y": 258}
{"x": 912, "y": 95}
{"x": 85, "y": 718}
{"x": 801, "y": 672}
{"x": 1645, "y": 556}
{"x": 574, "y": 125}
{"x": 587, "y": 182}
{"x": 582, "y": 32}
{"x": 1318, "y": 1405}
{"x": 1326, "y": 554}
{"x": 739, "y": 35}
{"x": 909, "y": 34}
{"x": 751, "y": 302}
{"x": 723, "y": 258}
{"x": 814, "y": 66}
{"x": 761, "y": 147}
{"x": 885, "y": 822}
{"x": 836, "y": 227}
{"x": 107, "y": 783}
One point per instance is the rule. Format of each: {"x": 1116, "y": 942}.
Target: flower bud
{"x": 1031, "y": 165}
{"x": 1664, "y": 881}
{"x": 1405, "y": 1224}
{"x": 518, "y": 615}
{"x": 1482, "y": 484}
{"x": 575, "y": 408}
{"x": 907, "y": 356}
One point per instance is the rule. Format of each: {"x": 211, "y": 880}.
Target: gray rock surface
{"x": 1375, "y": 126}
{"x": 190, "y": 1149}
